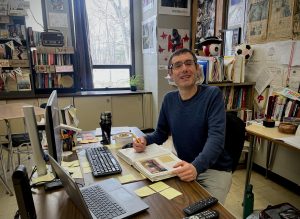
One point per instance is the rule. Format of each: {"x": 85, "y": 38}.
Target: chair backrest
{"x": 234, "y": 138}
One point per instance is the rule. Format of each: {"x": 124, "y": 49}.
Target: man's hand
{"x": 139, "y": 144}
{"x": 185, "y": 171}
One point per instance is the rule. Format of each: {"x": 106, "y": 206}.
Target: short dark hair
{"x": 180, "y": 52}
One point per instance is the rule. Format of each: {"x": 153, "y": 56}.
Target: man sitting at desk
{"x": 195, "y": 117}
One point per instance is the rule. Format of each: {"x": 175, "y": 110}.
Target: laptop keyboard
{"x": 100, "y": 203}
{"x": 102, "y": 161}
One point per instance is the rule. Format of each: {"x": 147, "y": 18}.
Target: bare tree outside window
{"x": 110, "y": 37}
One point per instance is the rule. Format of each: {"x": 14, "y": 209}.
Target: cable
{"x": 35, "y": 19}
{"x": 33, "y": 171}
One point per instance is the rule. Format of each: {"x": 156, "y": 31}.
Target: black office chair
{"x": 234, "y": 138}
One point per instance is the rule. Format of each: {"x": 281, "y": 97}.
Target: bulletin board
{"x": 57, "y": 15}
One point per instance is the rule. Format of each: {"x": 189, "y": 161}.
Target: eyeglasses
{"x": 178, "y": 65}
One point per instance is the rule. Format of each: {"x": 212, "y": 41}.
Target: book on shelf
{"x": 239, "y": 69}
{"x": 205, "y": 69}
{"x": 156, "y": 163}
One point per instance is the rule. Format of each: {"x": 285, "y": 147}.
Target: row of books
{"x": 9, "y": 31}
{"x": 235, "y": 97}
{"x": 222, "y": 69}
{"x": 50, "y": 59}
{"x": 280, "y": 106}
{"x": 34, "y": 37}
{"x": 54, "y": 80}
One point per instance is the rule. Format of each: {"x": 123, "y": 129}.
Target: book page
{"x": 157, "y": 167}
{"x": 130, "y": 155}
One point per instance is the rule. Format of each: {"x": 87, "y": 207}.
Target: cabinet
{"x": 238, "y": 97}
{"x": 127, "y": 110}
{"x": 53, "y": 69}
{"x": 15, "y": 73}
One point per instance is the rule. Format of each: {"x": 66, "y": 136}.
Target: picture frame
{"x": 231, "y": 38}
{"x": 149, "y": 35}
{"x": 171, "y": 7}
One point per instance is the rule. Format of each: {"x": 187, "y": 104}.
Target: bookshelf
{"x": 238, "y": 97}
{"x": 15, "y": 72}
{"x": 53, "y": 69}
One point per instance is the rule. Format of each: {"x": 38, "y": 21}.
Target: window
{"x": 110, "y": 34}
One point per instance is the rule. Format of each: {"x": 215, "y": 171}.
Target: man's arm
{"x": 160, "y": 135}
{"x": 216, "y": 134}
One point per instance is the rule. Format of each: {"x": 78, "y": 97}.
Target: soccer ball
{"x": 245, "y": 50}
{"x": 212, "y": 50}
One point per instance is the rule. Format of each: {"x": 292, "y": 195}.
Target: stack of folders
{"x": 156, "y": 163}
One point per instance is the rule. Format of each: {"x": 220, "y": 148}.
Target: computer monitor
{"x": 31, "y": 127}
{"x": 52, "y": 127}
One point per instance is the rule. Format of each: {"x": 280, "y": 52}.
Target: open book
{"x": 156, "y": 163}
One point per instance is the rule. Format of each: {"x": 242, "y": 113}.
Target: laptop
{"x": 122, "y": 203}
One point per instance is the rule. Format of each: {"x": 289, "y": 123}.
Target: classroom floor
{"x": 266, "y": 193}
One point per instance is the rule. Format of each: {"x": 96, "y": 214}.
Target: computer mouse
{"x": 128, "y": 145}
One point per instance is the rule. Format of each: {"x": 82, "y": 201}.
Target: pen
{"x": 137, "y": 140}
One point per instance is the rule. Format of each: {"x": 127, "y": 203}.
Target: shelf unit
{"x": 238, "y": 97}
{"x": 53, "y": 69}
{"x": 16, "y": 76}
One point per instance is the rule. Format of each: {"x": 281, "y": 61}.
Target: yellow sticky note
{"x": 144, "y": 191}
{"x": 47, "y": 177}
{"x": 77, "y": 174}
{"x": 85, "y": 164}
{"x": 73, "y": 169}
{"x": 170, "y": 193}
{"x": 159, "y": 186}
{"x": 84, "y": 142}
{"x": 126, "y": 178}
{"x": 74, "y": 163}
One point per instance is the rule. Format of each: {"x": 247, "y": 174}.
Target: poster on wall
{"x": 147, "y": 5}
{"x": 205, "y": 19}
{"x": 170, "y": 40}
{"x": 296, "y": 20}
{"x": 232, "y": 38}
{"x": 280, "y": 19}
{"x": 149, "y": 35}
{"x": 257, "y": 21}
{"x": 171, "y": 7}
{"x": 236, "y": 15}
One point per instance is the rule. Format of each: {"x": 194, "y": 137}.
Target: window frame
{"x": 131, "y": 67}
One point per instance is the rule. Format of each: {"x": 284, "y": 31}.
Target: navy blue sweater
{"x": 197, "y": 126}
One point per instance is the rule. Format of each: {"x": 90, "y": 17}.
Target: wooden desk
{"x": 8, "y": 112}
{"x": 58, "y": 205}
{"x": 270, "y": 134}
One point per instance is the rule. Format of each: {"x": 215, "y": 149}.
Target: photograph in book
{"x": 156, "y": 162}
{"x": 153, "y": 166}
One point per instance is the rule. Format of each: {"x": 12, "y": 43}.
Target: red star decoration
{"x": 164, "y": 36}
{"x": 160, "y": 50}
{"x": 186, "y": 38}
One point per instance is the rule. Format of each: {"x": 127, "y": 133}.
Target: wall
{"x": 154, "y": 78}
{"x": 36, "y": 16}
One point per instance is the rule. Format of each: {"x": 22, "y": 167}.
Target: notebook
{"x": 129, "y": 203}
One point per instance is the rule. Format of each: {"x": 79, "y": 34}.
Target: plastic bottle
{"x": 248, "y": 202}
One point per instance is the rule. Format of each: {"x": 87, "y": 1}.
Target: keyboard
{"x": 102, "y": 161}
{"x": 100, "y": 203}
